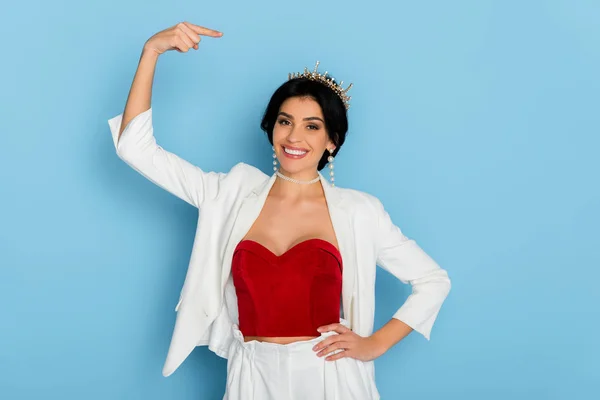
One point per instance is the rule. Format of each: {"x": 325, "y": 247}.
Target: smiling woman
{"x": 300, "y": 137}
{"x": 282, "y": 274}
{"x": 305, "y": 115}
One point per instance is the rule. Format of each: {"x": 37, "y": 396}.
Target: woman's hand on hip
{"x": 349, "y": 343}
{"x": 180, "y": 37}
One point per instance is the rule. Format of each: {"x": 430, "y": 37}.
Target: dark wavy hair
{"x": 334, "y": 111}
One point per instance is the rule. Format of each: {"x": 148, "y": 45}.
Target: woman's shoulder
{"x": 245, "y": 173}
{"x": 361, "y": 200}
{"x": 245, "y": 170}
{"x": 243, "y": 176}
{"x": 250, "y": 176}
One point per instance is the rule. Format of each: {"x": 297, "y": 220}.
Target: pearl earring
{"x": 330, "y": 159}
{"x": 274, "y": 159}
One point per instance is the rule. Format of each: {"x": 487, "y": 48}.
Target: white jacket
{"x": 230, "y": 202}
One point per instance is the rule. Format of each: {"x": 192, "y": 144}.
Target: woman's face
{"x": 300, "y": 129}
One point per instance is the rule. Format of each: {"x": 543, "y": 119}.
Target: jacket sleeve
{"x": 138, "y": 148}
{"x": 403, "y": 258}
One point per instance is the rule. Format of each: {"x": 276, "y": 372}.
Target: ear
{"x": 331, "y": 145}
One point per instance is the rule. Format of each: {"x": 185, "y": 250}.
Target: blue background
{"x": 475, "y": 122}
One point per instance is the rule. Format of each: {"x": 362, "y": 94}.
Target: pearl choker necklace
{"x": 287, "y": 178}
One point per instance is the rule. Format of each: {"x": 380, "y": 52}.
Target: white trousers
{"x": 268, "y": 371}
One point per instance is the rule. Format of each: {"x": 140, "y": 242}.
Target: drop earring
{"x": 274, "y": 159}
{"x": 331, "y": 174}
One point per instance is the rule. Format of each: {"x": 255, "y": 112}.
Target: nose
{"x": 295, "y": 134}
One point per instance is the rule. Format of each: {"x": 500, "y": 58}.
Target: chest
{"x": 225, "y": 222}
{"x": 281, "y": 225}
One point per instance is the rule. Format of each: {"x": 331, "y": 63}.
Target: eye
{"x": 314, "y": 127}
{"x": 283, "y": 121}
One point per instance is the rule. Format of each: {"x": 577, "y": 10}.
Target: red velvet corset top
{"x": 287, "y": 295}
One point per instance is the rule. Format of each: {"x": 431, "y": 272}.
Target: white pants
{"x": 268, "y": 371}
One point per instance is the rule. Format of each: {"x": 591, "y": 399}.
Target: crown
{"x": 324, "y": 79}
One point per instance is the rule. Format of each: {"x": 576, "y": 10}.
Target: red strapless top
{"x": 287, "y": 295}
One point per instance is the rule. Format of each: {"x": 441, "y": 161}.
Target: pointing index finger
{"x": 200, "y": 30}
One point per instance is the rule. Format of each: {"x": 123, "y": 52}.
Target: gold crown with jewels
{"x": 324, "y": 79}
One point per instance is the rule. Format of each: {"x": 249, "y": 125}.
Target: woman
{"x": 277, "y": 258}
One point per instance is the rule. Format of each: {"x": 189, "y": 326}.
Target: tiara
{"x": 324, "y": 79}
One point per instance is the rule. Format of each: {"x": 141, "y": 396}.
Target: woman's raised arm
{"x": 133, "y": 133}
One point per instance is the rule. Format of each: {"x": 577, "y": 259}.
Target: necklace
{"x": 287, "y": 178}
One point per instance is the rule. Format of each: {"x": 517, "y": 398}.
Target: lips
{"x": 294, "y": 156}
{"x": 294, "y": 148}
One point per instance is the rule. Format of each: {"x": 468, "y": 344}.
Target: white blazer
{"x": 230, "y": 202}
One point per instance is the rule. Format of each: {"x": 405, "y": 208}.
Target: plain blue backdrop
{"x": 475, "y": 122}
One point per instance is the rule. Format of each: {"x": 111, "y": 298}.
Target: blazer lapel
{"x": 247, "y": 214}
{"x": 250, "y": 209}
{"x": 340, "y": 219}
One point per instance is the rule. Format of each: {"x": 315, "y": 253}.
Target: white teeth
{"x": 294, "y": 152}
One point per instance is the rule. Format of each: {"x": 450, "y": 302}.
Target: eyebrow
{"x": 305, "y": 119}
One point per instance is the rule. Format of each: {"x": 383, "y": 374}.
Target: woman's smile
{"x": 293, "y": 153}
